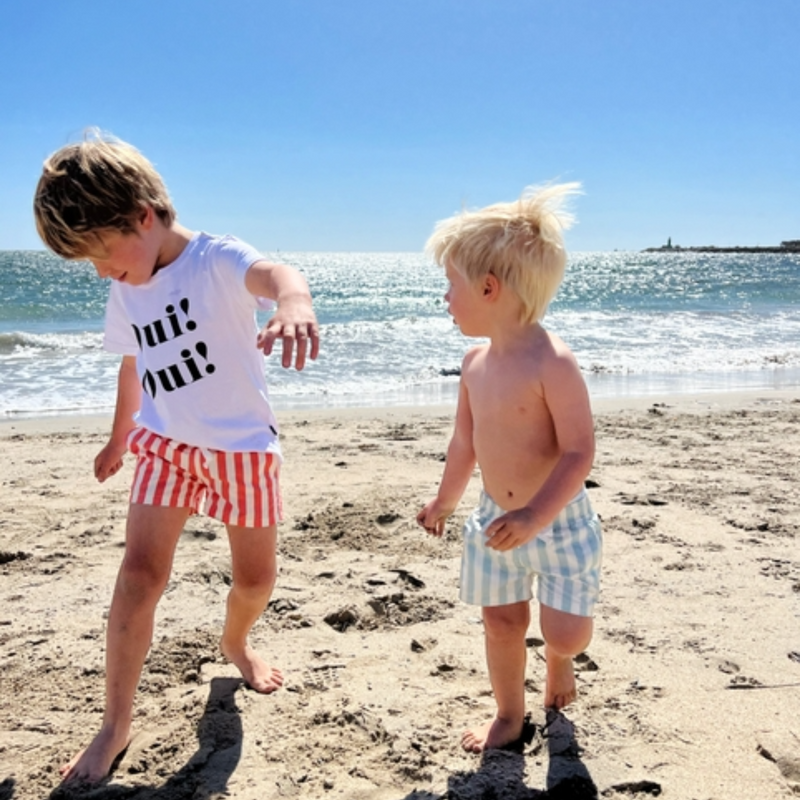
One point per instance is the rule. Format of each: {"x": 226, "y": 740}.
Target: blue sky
{"x": 354, "y": 125}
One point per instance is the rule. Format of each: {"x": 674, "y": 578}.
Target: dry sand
{"x": 690, "y": 689}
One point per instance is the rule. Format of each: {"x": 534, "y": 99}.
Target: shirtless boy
{"x": 192, "y": 402}
{"x": 524, "y": 418}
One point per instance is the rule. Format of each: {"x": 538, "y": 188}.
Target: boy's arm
{"x": 567, "y": 400}
{"x": 294, "y": 322}
{"x": 129, "y": 396}
{"x": 457, "y": 471}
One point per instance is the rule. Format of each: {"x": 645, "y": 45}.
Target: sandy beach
{"x": 689, "y": 690}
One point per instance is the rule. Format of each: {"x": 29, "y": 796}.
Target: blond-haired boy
{"x": 524, "y": 418}
{"x": 192, "y": 401}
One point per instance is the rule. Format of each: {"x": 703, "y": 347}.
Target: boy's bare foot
{"x": 560, "y": 689}
{"x": 492, "y": 735}
{"x": 95, "y": 762}
{"x": 257, "y": 673}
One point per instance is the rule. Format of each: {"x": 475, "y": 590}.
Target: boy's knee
{"x": 256, "y": 582}
{"x": 564, "y": 633}
{"x": 143, "y": 575}
{"x": 506, "y": 621}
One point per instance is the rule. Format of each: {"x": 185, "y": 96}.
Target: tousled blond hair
{"x": 98, "y": 184}
{"x": 520, "y": 243}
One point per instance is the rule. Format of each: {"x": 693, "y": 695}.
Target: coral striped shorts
{"x": 565, "y": 558}
{"x": 236, "y": 488}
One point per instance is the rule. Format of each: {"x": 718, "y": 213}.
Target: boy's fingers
{"x": 101, "y": 472}
{"x": 314, "y": 335}
{"x": 305, "y": 334}
{"x": 423, "y": 521}
{"x": 436, "y": 527}
{"x": 498, "y": 534}
{"x": 266, "y": 340}
{"x": 302, "y": 346}
{"x": 289, "y": 336}
{"x": 494, "y": 527}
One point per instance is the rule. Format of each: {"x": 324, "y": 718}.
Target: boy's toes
{"x": 267, "y": 682}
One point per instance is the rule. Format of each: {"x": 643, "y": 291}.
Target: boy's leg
{"x": 254, "y": 563}
{"x": 504, "y": 628}
{"x": 150, "y": 539}
{"x": 565, "y": 635}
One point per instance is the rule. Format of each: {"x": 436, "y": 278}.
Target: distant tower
{"x": 669, "y": 243}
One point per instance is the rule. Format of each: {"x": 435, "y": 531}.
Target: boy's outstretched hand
{"x": 295, "y": 325}
{"x": 295, "y": 322}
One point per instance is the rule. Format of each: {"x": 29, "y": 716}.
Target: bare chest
{"x": 509, "y": 407}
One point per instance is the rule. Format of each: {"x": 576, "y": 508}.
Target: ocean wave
{"x": 19, "y": 343}
{"x": 55, "y": 411}
{"x": 636, "y": 323}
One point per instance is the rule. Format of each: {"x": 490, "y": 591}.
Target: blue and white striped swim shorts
{"x": 566, "y": 558}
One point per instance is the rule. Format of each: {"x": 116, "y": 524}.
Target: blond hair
{"x": 520, "y": 243}
{"x": 98, "y": 184}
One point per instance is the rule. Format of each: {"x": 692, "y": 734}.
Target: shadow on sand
{"x": 204, "y": 775}
{"x": 501, "y": 775}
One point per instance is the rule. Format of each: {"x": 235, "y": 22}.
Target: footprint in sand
{"x": 784, "y": 753}
{"x": 7, "y": 557}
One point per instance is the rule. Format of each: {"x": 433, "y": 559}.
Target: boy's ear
{"x": 147, "y": 217}
{"x": 491, "y": 286}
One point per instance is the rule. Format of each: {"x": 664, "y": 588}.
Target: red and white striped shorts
{"x": 237, "y": 488}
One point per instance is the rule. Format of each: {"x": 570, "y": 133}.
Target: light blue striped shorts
{"x": 566, "y": 558}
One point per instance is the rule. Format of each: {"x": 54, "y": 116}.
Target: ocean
{"x": 643, "y": 324}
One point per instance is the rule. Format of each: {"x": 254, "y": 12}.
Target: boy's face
{"x": 465, "y": 303}
{"x": 125, "y": 257}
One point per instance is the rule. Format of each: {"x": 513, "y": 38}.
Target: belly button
{"x": 511, "y": 494}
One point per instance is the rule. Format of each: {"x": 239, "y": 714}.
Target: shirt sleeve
{"x": 241, "y": 256}
{"x": 119, "y": 336}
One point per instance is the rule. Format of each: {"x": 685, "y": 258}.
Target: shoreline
{"x": 678, "y": 402}
{"x": 606, "y": 389}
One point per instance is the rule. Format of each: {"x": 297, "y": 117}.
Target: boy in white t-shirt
{"x": 192, "y": 401}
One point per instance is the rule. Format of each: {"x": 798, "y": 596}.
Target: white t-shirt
{"x": 192, "y": 328}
